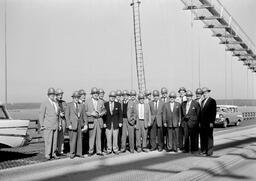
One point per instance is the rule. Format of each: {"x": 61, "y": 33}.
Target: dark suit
{"x": 208, "y": 115}
{"x": 190, "y": 122}
{"x": 113, "y": 118}
{"x": 156, "y": 129}
{"x": 173, "y": 119}
{"x": 131, "y": 119}
{"x": 62, "y": 123}
{"x": 76, "y": 118}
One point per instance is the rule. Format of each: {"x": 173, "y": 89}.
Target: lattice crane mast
{"x": 138, "y": 45}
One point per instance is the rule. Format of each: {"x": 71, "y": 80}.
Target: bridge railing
{"x": 249, "y": 115}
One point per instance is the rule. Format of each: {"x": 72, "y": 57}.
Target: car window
{"x": 2, "y": 114}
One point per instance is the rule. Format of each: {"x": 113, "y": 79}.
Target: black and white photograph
{"x": 127, "y": 90}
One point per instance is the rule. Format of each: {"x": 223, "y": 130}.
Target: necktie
{"x": 112, "y": 107}
{"x": 77, "y": 108}
{"x": 155, "y": 106}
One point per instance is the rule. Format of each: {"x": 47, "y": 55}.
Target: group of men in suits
{"x": 165, "y": 121}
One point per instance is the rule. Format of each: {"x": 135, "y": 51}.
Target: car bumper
{"x": 219, "y": 121}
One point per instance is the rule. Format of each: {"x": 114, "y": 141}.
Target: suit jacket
{"x": 132, "y": 112}
{"x": 62, "y": 120}
{"x": 89, "y": 108}
{"x": 116, "y": 117}
{"x": 48, "y": 117}
{"x": 157, "y": 115}
{"x": 172, "y": 118}
{"x": 147, "y": 115}
{"x": 73, "y": 117}
{"x": 192, "y": 117}
{"x": 208, "y": 112}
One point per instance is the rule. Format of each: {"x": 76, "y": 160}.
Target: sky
{"x": 74, "y": 44}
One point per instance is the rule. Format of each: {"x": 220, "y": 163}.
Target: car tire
{"x": 225, "y": 124}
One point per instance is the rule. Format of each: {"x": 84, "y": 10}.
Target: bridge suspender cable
{"x": 5, "y": 51}
{"x": 192, "y": 58}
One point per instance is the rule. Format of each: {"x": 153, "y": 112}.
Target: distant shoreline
{"x": 238, "y": 102}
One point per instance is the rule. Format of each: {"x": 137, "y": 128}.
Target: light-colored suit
{"x": 76, "y": 118}
{"x": 95, "y": 123}
{"x": 142, "y": 126}
{"x": 156, "y": 129}
{"x": 48, "y": 118}
{"x": 173, "y": 119}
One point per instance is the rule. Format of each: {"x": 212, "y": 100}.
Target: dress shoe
{"x": 100, "y": 154}
{"x": 48, "y": 157}
{"x": 153, "y": 149}
{"x": 145, "y": 150}
{"x": 72, "y": 156}
{"x": 185, "y": 151}
{"x": 55, "y": 157}
{"x": 160, "y": 149}
{"x": 123, "y": 151}
{"x": 90, "y": 154}
{"x": 108, "y": 152}
{"x": 116, "y": 152}
{"x": 80, "y": 156}
{"x": 175, "y": 150}
{"x": 139, "y": 150}
{"x": 132, "y": 151}
{"x": 168, "y": 150}
{"x": 208, "y": 154}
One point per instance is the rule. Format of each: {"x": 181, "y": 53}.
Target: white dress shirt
{"x": 111, "y": 107}
{"x": 172, "y": 106}
{"x": 188, "y": 106}
{"x": 205, "y": 101}
{"x": 54, "y": 104}
{"x": 95, "y": 103}
{"x": 141, "y": 111}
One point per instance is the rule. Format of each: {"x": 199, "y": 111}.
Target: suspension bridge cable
{"x": 192, "y": 58}
{"x": 5, "y": 51}
{"x": 199, "y": 59}
{"x": 131, "y": 51}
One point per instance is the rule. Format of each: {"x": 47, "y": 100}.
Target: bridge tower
{"x": 138, "y": 45}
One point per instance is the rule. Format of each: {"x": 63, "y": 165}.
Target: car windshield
{"x": 3, "y": 113}
{"x": 221, "y": 109}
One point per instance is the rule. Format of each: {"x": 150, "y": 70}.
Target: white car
{"x": 13, "y": 133}
{"x": 227, "y": 115}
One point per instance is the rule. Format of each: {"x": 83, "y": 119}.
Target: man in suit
{"x": 164, "y": 98}
{"x": 49, "y": 121}
{"x": 190, "y": 118}
{"x": 126, "y": 128}
{"x": 62, "y": 120}
{"x": 156, "y": 129}
{"x": 199, "y": 99}
{"x": 103, "y": 130}
{"x": 112, "y": 123}
{"x": 172, "y": 120}
{"x": 118, "y": 99}
{"x": 208, "y": 116}
{"x": 182, "y": 98}
{"x": 95, "y": 110}
{"x": 131, "y": 118}
{"x": 143, "y": 121}
{"x": 76, "y": 123}
{"x": 85, "y": 134}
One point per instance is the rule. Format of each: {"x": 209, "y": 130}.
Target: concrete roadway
{"x": 143, "y": 166}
